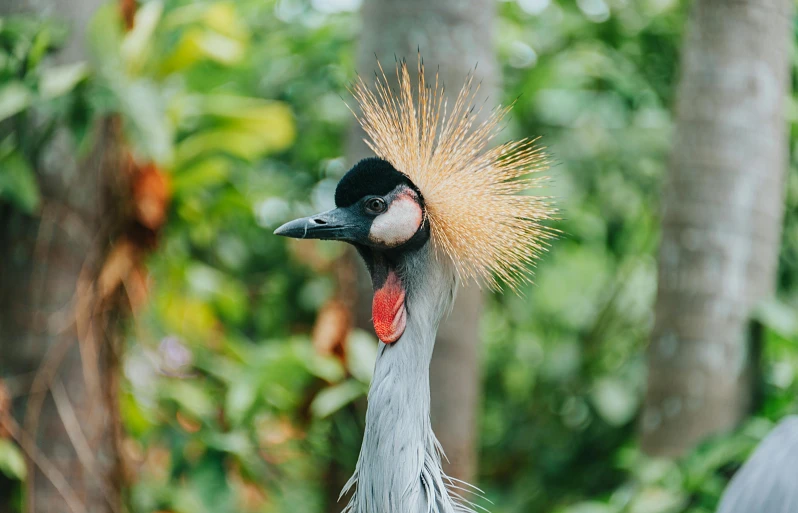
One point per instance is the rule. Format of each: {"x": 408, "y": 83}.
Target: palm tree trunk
{"x": 723, "y": 207}
{"x": 454, "y": 35}
{"x": 57, "y": 340}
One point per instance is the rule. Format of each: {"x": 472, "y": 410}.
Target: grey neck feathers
{"x": 399, "y": 468}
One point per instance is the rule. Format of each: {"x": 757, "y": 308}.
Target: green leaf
{"x": 105, "y": 36}
{"x": 327, "y": 368}
{"x": 18, "y": 183}
{"x": 197, "y": 44}
{"x": 235, "y": 442}
{"x": 271, "y": 121}
{"x": 135, "y": 419}
{"x": 60, "y": 80}
{"x": 614, "y": 400}
{"x": 236, "y": 142}
{"x": 41, "y": 43}
{"x": 223, "y": 18}
{"x": 231, "y": 301}
{"x": 202, "y": 176}
{"x": 137, "y": 43}
{"x": 184, "y": 15}
{"x": 12, "y": 462}
{"x": 220, "y": 48}
{"x": 332, "y": 399}
{"x": 361, "y": 353}
{"x": 588, "y": 507}
{"x": 657, "y": 500}
{"x": 241, "y": 396}
{"x": 778, "y": 317}
{"x": 143, "y": 106}
{"x": 14, "y": 98}
{"x": 191, "y": 397}
{"x": 208, "y": 485}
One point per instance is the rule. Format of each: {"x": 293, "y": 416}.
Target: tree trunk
{"x": 722, "y": 213}
{"x": 454, "y": 35}
{"x": 57, "y": 338}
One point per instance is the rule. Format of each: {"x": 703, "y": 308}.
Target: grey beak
{"x": 335, "y": 224}
{"x": 299, "y": 228}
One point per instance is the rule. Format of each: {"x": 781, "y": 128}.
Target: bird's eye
{"x": 375, "y": 205}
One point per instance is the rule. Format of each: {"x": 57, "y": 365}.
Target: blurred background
{"x": 162, "y": 351}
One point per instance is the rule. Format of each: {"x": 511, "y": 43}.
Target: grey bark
{"x": 455, "y": 35}
{"x": 48, "y": 263}
{"x": 722, "y": 215}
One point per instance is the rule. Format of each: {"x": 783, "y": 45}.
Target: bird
{"x": 768, "y": 481}
{"x": 436, "y": 206}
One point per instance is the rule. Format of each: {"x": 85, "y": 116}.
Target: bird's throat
{"x": 399, "y": 468}
{"x": 388, "y": 309}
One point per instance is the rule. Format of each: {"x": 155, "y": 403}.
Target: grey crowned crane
{"x": 435, "y": 206}
{"x": 768, "y": 481}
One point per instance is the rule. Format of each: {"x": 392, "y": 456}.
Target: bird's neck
{"x": 399, "y": 468}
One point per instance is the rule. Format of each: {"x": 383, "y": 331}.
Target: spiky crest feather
{"x": 478, "y": 215}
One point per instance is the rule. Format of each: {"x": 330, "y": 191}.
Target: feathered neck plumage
{"x": 399, "y": 468}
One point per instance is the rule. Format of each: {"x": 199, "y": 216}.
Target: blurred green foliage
{"x": 34, "y": 99}
{"x": 227, "y": 406}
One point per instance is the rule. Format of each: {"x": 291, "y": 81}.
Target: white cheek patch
{"x": 399, "y": 223}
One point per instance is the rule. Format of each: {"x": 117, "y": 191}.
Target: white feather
{"x": 768, "y": 481}
{"x": 399, "y": 468}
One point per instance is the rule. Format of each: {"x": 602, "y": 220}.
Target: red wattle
{"x": 388, "y": 310}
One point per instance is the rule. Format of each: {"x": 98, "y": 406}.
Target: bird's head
{"x": 377, "y": 207}
{"x": 435, "y": 181}
{"x": 381, "y": 212}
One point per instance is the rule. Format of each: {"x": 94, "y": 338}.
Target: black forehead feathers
{"x": 370, "y": 176}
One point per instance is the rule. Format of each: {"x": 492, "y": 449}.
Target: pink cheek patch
{"x": 388, "y": 310}
{"x": 399, "y": 223}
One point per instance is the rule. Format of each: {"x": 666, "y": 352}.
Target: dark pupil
{"x": 375, "y": 205}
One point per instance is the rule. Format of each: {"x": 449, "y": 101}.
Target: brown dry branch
{"x": 331, "y": 330}
{"x": 50, "y": 471}
{"x": 41, "y": 382}
{"x": 128, "y": 10}
{"x": 152, "y": 192}
{"x": 87, "y": 344}
{"x": 81, "y": 316}
{"x": 82, "y": 446}
{"x": 5, "y": 408}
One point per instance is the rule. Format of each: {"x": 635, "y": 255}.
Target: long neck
{"x": 399, "y": 467}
